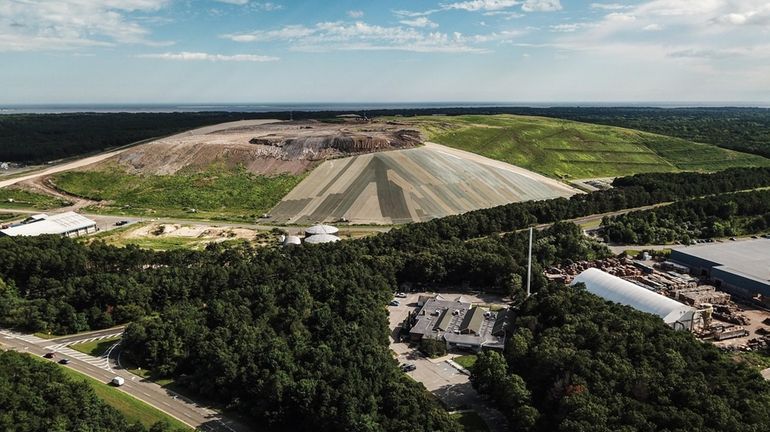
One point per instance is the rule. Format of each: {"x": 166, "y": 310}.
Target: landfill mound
{"x": 267, "y": 149}
{"x": 410, "y": 185}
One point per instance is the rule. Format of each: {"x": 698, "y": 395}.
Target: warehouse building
{"x": 617, "y": 290}
{"x": 460, "y": 325}
{"x": 741, "y": 268}
{"x": 69, "y": 224}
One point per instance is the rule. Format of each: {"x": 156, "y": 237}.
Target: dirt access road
{"x": 79, "y": 163}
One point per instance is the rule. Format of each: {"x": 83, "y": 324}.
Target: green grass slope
{"x": 572, "y": 150}
{"x": 15, "y": 198}
{"x": 214, "y": 194}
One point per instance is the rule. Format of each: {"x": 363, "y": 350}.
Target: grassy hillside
{"x": 214, "y": 194}
{"x": 567, "y": 149}
{"x": 15, "y": 198}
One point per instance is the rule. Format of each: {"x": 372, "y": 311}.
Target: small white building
{"x": 615, "y": 289}
{"x": 69, "y": 224}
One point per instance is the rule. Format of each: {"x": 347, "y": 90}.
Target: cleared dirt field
{"x": 263, "y": 148}
{"x": 410, "y": 186}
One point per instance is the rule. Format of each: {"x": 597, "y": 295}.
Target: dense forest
{"x": 36, "y": 138}
{"x": 36, "y": 396}
{"x": 684, "y": 221}
{"x": 296, "y": 338}
{"x": 577, "y": 363}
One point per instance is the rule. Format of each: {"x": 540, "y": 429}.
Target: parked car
{"x": 408, "y": 367}
{"x": 401, "y": 295}
{"x": 49, "y": 355}
{"x": 395, "y": 303}
{"x": 64, "y": 361}
{"x": 121, "y": 223}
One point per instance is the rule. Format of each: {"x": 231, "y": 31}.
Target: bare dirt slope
{"x": 410, "y": 186}
{"x": 267, "y": 148}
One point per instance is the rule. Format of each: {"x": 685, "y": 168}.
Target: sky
{"x": 292, "y": 51}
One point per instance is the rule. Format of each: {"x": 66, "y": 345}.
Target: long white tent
{"x": 617, "y": 290}
{"x": 66, "y": 224}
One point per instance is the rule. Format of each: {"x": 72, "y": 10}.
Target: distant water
{"x": 257, "y": 108}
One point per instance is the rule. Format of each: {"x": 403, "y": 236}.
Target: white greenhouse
{"x": 615, "y": 289}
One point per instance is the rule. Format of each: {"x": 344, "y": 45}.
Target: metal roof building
{"x": 68, "y": 224}
{"x": 615, "y": 289}
{"x": 321, "y": 229}
{"x": 741, "y": 267}
{"x": 459, "y": 324}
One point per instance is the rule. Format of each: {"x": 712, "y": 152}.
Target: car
{"x": 49, "y": 355}
{"x": 395, "y": 303}
{"x": 401, "y": 295}
{"x": 121, "y": 223}
{"x": 64, "y": 361}
{"x": 117, "y": 381}
{"x": 408, "y": 367}
{"x": 733, "y": 239}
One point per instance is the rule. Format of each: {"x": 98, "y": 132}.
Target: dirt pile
{"x": 275, "y": 148}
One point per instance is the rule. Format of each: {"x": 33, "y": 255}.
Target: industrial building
{"x": 615, "y": 289}
{"x": 460, "y": 325}
{"x": 741, "y": 268}
{"x": 69, "y": 224}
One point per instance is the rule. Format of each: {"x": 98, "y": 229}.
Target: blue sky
{"x": 198, "y": 51}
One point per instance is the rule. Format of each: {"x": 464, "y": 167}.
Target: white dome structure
{"x": 321, "y": 229}
{"x": 321, "y": 238}
{"x": 291, "y": 240}
{"x": 615, "y": 289}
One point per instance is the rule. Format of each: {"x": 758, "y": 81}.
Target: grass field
{"x": 15, "y": 198}
{"x": 215, "y": 194}
{"x": 133, "y": 409}
{"x": 95, "y": 348}
{"x": 570, "y": 150}
{"x": 470, "y": 421}
{"x": 466, "y": 361}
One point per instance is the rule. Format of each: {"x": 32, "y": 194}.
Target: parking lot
{"x": 437, "y": 375}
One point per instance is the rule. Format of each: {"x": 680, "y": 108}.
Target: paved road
{"x": 185, "y": 410}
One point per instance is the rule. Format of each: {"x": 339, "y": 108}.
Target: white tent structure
{"x": 321, "y": 229}
{"x": 68, "y": 224}
{"x": 615, "y": 289}
{"x": 321, "y": 238}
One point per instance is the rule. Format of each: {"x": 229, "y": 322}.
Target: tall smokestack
{"x": 529, "y": 264}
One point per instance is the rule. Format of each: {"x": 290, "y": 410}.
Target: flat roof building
{"x": 459, "y": 324}
{"x": 741, "y": 267}
{"x": 69, "y": 224}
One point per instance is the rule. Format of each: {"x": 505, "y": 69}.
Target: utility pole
{"x": 529, "y": 264}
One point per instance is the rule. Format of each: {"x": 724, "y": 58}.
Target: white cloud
{"x": 482, "y": 5}
{"x": 27, "y": 25}
{"x": 355, "y": 14}
{"x": 610, "y": 6}
{"x": 330, "y": 36}
{"x": 652, "y": 27}
{"x": 199, "y": 56}
{"x": 234, "y": 2}
{"x": 422, "y": 22}
{"x": 541, "y": 6}
{"x": 568, "y": 28}
{"x": 266, "y": 7}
